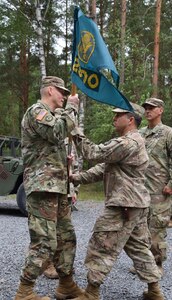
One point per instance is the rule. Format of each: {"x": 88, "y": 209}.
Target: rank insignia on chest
{"x": 41, "y": 114}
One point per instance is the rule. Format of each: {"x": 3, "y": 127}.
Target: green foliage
{"x": 17, "y": 29}
{"x": 92, "y": 191}
{"x": 98, "y": 122}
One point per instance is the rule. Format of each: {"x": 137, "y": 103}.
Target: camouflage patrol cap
{"x": 153, "y": 102}
{"x": 54, "y": 81}
{"x": 138, "y": 110}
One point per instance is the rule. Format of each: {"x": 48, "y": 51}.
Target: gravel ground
{"x": 14, "y": 239}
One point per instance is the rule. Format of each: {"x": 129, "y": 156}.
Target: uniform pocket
{"x": 110, "y": 220}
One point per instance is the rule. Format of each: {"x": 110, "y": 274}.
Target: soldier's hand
{"x": 77, "y": 131}
{"x": 73, "y": 99}
{"x": 70, "y": 159}
{"x": 167, "y": 190}
{"x": 72, "y": 177}
{"x": 75, "y": 179}
{"x": 74, "y": 199}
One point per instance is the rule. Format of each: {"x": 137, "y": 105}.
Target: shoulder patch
{"x": 49, "y": 118}
{"x": 41, "y": 114}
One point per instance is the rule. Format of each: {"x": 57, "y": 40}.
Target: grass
{"x": 92, "y": 191}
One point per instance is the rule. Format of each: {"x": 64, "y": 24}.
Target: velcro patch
{"x": 41, "y": 114}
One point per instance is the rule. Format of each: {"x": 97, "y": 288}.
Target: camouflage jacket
{"x": 123, "y": 162}
{"x": 158, "y": 143}
{"x": 43, "y": 148}
{"x": 94, "y": 174}
{"x": 74, "y": 167}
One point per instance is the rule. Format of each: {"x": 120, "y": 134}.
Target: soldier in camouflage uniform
{"x": 123, "y": 224}
{"x": 158, "y": 139}
{"x": 50, "y": 271}
{"x": 45, "y": 181}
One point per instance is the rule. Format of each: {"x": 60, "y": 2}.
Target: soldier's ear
{"x": 130, "y": 117}
{"x": 161, "y": 109}
{"x": 50, "y": 90}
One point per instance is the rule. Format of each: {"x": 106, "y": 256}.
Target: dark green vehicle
{"x": 11, "y": 170}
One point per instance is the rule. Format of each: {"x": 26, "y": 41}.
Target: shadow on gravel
{"x": 14, "y": 212}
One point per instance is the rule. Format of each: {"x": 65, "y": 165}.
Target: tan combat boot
{"x": 154, "y": 292}
{"x": 133, "y": 270}
{"x": 25, "y": 292}
{"x": 170, "y": 223}
{"x": 67, "y": 288}
{"x": 91, "y": 293}
{"x": 51, "y": 272}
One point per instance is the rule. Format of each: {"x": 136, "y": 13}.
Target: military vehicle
{"x": 11, "y": 170}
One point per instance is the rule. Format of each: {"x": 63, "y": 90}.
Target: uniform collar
{"x": 45, "y": 106}
{"x": 154, "y": 129}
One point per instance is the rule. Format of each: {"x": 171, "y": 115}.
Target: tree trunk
{"x": 24, "y": 87}
{"x": 101, "y": 18}
{"x": 92, "y": 10}
{"x": 47, "y": 42}
{"x": 156, "y": 47}
{"x": 24, "y": 74}
{"x": 40, "y": 38}
{"x": 115, "y": 54}
{"x": 123, "y": 28}
{"x": 66, "y": 44}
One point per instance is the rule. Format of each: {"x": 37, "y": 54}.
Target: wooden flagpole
{"x": 73, "y": 92}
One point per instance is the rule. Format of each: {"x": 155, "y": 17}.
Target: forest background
{"x": 36, "y": 40}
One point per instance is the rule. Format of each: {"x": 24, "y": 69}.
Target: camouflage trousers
{"x": 115, "y": 231}
{"x": 52, "y": 235}
{"x": 158, "y": 220}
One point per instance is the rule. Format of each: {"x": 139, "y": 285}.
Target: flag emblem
{"x": 86, "y": 46}
{"x": 41, "y": 114}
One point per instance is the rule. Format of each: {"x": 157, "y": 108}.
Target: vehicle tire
{"x": 21, "y": 200}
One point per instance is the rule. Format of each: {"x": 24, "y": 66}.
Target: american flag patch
{"x": 41, "y": 115}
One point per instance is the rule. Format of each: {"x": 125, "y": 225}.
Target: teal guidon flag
{"x": 93, "y": 70}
